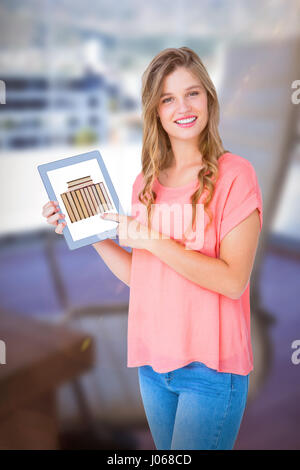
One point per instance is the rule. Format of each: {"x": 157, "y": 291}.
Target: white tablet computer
{"x": 83, "y": 188}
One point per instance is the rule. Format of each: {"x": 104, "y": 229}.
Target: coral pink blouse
{"x": 173, "y": 321}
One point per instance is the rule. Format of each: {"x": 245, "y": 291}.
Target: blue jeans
{"x": 193, "y": 407}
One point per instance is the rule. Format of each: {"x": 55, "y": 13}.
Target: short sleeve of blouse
{"x": 243, "y": 197}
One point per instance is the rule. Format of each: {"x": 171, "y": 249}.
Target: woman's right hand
{"x": 51, "y": 212}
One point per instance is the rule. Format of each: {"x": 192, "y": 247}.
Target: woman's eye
{"x": 166, "y": 100}
{"x": 193, "y": 93}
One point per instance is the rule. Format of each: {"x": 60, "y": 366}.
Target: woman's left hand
{"x": 132, "y": 233}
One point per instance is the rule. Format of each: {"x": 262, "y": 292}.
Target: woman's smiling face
{"x": 183, "y": 97}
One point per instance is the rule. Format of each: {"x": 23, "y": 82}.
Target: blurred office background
{"x": 72, "y": 74}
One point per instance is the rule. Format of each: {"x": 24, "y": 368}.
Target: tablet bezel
{"x": 94, "y": 154}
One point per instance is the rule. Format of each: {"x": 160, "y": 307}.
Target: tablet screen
{"x": 84, "y": 190}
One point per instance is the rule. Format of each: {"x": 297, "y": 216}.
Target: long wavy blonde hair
{"x": 157, "y": 153}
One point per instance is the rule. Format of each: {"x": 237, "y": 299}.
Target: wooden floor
{"x": 271, "y": 421}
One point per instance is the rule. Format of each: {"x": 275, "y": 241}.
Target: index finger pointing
{"x": 110, "y": 216}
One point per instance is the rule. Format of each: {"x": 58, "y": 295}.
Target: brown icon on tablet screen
{"x": 84, "y": 198}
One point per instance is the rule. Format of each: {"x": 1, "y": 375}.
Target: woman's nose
{"x": 183, "y": 105}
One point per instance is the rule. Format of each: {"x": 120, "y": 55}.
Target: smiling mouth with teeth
{"x": 186, "y": 122}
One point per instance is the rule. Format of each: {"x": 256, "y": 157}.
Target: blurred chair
{"x": 39, "y": 359}
{"x": 258, "y": 121}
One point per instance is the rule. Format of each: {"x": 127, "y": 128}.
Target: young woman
{"x": 189, "y": 312}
